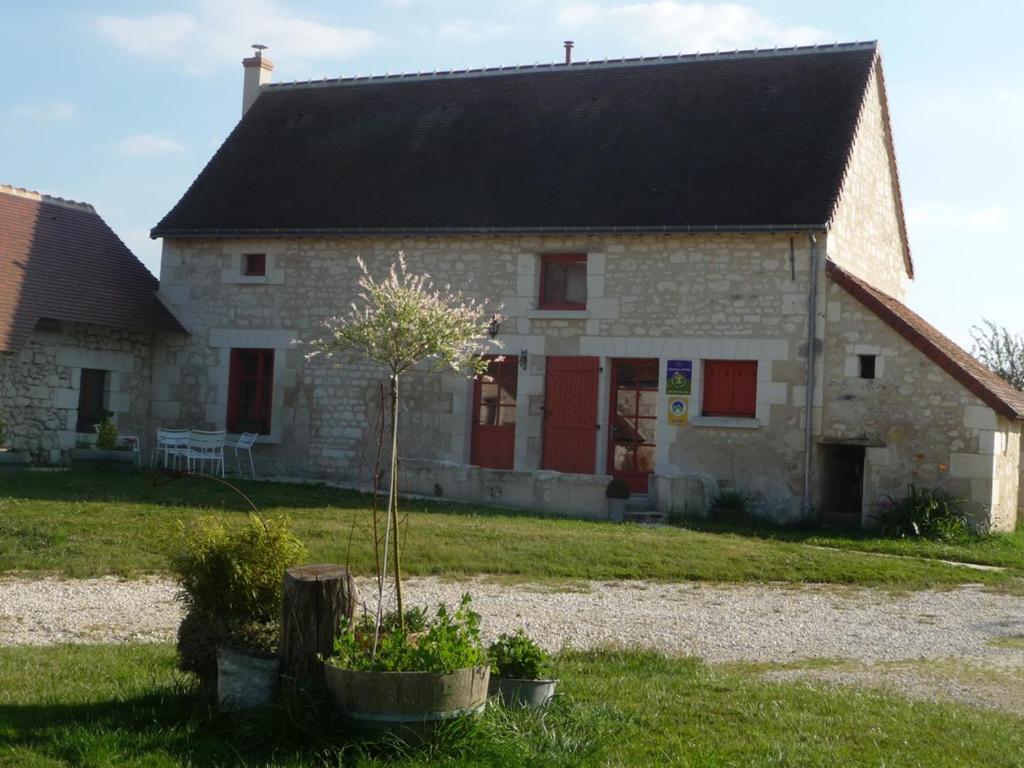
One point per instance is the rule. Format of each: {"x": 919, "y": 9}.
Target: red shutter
{"x": 744, "y": 387}
{"x": 570, "y": 414}
{"x": 730, "y": 387}
{"x": 250, "y": 390}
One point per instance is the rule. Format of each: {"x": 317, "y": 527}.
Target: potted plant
{"x": 395, "y": 678}
{"x": 232, "y": 589}
{"x": 522, "y": 671}
{"x": 412, "y": 675}
{"x": 11, "y": 460}
{"x": 105, "y": 454}
{"x": 617, "y": 494}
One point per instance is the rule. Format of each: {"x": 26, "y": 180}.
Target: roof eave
{"x": 174, "y": 232}
{"x": 964, "y": 377}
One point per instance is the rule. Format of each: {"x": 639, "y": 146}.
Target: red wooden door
{"x": 493, "y": 442}
{"x": 570, "y": 414}
{"x": 633, "y": 418}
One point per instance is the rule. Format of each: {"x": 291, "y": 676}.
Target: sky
{"x": 121, "y": 104}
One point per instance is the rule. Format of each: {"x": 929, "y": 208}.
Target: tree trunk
{"x": 393, "y": 499}
{"x": 316, "y": 599}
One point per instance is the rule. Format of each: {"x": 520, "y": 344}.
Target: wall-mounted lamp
{"x": 495, "y": 325}
{"x": 523, "y": 359}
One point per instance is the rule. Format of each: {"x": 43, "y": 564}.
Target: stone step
{"x": 638, "y": 501}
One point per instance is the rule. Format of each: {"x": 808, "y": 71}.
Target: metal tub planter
{"x": 103, "y": 460}
{"x": 409, "y": 705}
{"x": 245, "y": 678}
{"x": 524, "y": 693}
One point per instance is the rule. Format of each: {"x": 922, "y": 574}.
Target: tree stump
{"x": 316, "y": 599}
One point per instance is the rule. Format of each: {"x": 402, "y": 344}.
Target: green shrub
{"x": 931, "y": 513}
{"x": 448, "y": 641}
{"x": 518, "y": 657}
{"x": 106, "y": 438}
{"x": 730, "y": 505}
{"x": 234, "y": 572}
{"x": 232, "y": 586}
{"x": 3, "y": 431}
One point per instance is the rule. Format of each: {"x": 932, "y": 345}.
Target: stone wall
{"x": 865, "y": 237}
{"x": 39, "y": 392}
{"x": 664, "y": 297}
{"x": 917, "y": 422}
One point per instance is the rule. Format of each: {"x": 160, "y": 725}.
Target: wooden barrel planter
{"x": 409, "y": 705}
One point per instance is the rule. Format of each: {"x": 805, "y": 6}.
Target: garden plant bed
{"x": 126, "y": 705}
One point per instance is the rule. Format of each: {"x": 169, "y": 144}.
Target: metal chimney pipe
{"x": 568, "y": 51}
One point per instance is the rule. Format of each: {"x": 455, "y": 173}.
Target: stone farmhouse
{"x": 79, "y": 318}
{"x": 700, "y": 262}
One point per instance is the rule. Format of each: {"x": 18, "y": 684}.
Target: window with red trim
{"x": 92, "y": 395}
{"x": 254, "y": 264}
{"x": 563, "y": 281}
{"x": 730, "y": 388}
{"x": 250, "y": 390}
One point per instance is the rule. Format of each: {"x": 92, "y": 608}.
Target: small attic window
{"x": 254, "y": 264}
{"x": 867, "y": 366}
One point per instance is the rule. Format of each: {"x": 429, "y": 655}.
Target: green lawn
{"x": 81, "y": 524}
{"x": 1004, "y": 550}
{"x": 125, "y": 706}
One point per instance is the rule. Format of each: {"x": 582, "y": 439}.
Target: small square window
{"x": 867, "y": 366}
{"x": 254, "y": 264}
{"x": 563, "y": 281}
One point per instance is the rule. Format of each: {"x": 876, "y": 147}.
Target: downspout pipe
{"x": 812, "y": 332}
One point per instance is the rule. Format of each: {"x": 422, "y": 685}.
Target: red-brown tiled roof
{"x": 976, "y": 377}
{"x": 60, "y": 260}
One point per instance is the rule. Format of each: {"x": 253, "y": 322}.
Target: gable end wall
{"x": 866, "y": 237}
{"x": 919, "y": 423}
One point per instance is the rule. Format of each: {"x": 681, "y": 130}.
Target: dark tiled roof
{"x": 976, "y": 377}
{"x": 60, "y": 260}
{"x": 749, "y": 140}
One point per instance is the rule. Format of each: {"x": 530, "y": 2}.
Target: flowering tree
{"x": 403, "y": 322}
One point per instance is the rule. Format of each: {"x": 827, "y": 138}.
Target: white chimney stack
{"x": 257, "y": 74}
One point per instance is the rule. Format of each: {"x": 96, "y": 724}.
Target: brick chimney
{"x": 257, "y": 74}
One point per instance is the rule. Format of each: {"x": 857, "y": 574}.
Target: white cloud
{"x": 469, "y": 31}
{"x": 47, "y": 112}
{"x": 143, "y": 144}
{"x": 219, "y": 32}
{"x": 670, "y": 25}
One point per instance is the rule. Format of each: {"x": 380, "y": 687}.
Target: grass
{"x": 1003, "y": 550}
{"x": 126, "y": 706}
{"x": 82, "y": 524}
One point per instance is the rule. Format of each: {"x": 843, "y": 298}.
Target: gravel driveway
{"x": 883, "y": 634}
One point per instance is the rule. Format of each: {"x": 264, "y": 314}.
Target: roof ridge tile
{"x": 556, "y": 66}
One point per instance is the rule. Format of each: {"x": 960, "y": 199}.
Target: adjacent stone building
{"x": 78, "y": 320}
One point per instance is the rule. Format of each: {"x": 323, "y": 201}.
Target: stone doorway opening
{"x": 842, "y": 497}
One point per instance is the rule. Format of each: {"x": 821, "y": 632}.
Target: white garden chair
{"x": 173, "y": 444}
{"x": 245, "y": 442}
{"x": 203, "y": 447}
